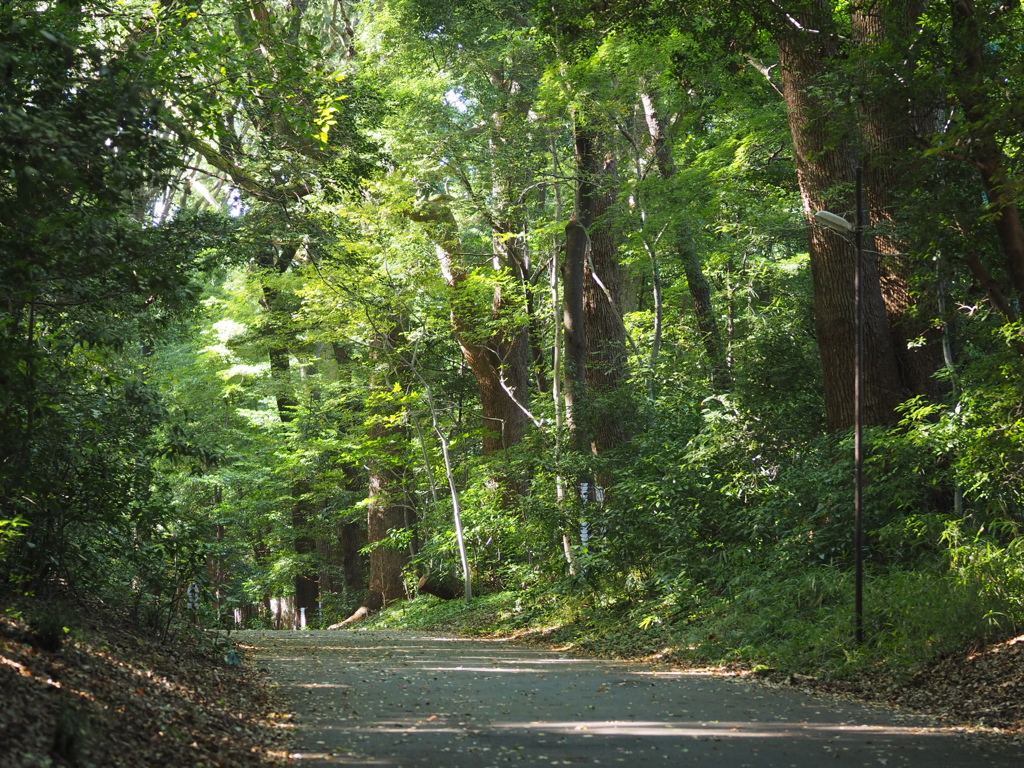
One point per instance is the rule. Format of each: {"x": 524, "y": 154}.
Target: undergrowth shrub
{"x": 989, "y": 563}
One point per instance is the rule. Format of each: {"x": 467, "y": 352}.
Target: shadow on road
{"x": 381, "y": 698}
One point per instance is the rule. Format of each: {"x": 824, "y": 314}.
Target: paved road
{"x": 382, "y": 698}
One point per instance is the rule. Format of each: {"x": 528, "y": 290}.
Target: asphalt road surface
{"x": 406, "y": 699}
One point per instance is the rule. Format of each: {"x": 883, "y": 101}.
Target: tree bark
{"x": 307, "y": 581}
{"x": 700, "y": 288}
{"x": 500, "y": 361}
{"x": 387, "y": 511}
{"x": 982, "y": 142}
{"x": 889, "y": 122}
{"x": 575, "y": 332}
{"x": 826, "y": 168}
{"x": 606, "y": 369}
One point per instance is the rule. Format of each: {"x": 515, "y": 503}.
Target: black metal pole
{"x": 858, "y": 417}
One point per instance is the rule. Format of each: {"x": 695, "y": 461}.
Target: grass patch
{"x": 503, "y": 613}
{"x": 790, "y": 620}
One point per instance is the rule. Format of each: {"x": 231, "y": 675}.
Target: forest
{"x": 308, "y": 307}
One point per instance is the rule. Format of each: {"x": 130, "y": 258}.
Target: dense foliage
{"x": 310, "y": 304}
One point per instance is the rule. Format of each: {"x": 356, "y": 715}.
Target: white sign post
{"x": 192, "y": 597}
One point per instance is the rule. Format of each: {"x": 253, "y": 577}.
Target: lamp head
{"x": 834, "y": 222}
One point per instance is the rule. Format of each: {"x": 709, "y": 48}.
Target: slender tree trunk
{"x": 703, "y": 307}
{"x": 700, "y": 288}
{"x": 826, "y": 163}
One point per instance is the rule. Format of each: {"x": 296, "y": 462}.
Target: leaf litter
{"x": 114, "y": 696}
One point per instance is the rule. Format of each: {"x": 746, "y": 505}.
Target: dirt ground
{"x": 115, "y": 695}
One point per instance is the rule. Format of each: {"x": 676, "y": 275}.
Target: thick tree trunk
{"x": 501, "y": 370}
{"x": 889, "y": 123}
{"x": 982, "y": 143}
{"x": 307, "y": 582}
{"x": 575, "y": 332}
{"x": 344, "y": 566}
{"x": 387, "y": 511}
{"x": 500, "y": 362}
{"x": 607, "y": 406}
{"x": 826, "y": 165}
{"x": 351, "y": 539}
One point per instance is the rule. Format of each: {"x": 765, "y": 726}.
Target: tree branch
{"x": 268, "y": 193}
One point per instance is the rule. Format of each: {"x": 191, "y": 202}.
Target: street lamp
{"x": 834, "y": 222}
{"x": 841, "y": 225}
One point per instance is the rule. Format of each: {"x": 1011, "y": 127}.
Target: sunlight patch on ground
{"x": 716, "y": 730}
{"x": 321, "y": 685}
{"x": 647, "y": 728}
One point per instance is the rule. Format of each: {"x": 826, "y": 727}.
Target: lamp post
{"x": 841, "y": 225}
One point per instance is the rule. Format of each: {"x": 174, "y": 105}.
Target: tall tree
{"x": 87, "y": 283}
{"x": 893, "y": 121}
{"x": 481, "y": 123}
{"x": 980, "y": 140}
{"x": 277, "y": 260}
{"x": 605, "y": 407}
{"x": 685, "y": 246}
{"x": 389, "y": 510}
{"x": 598, "y": 402}
{"x": 277, "y": 128}
{"x": 826, "y": 159}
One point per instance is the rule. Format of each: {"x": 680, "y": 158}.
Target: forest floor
{"x": 117, "y": 695}
{"x": 981, "y": 688}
